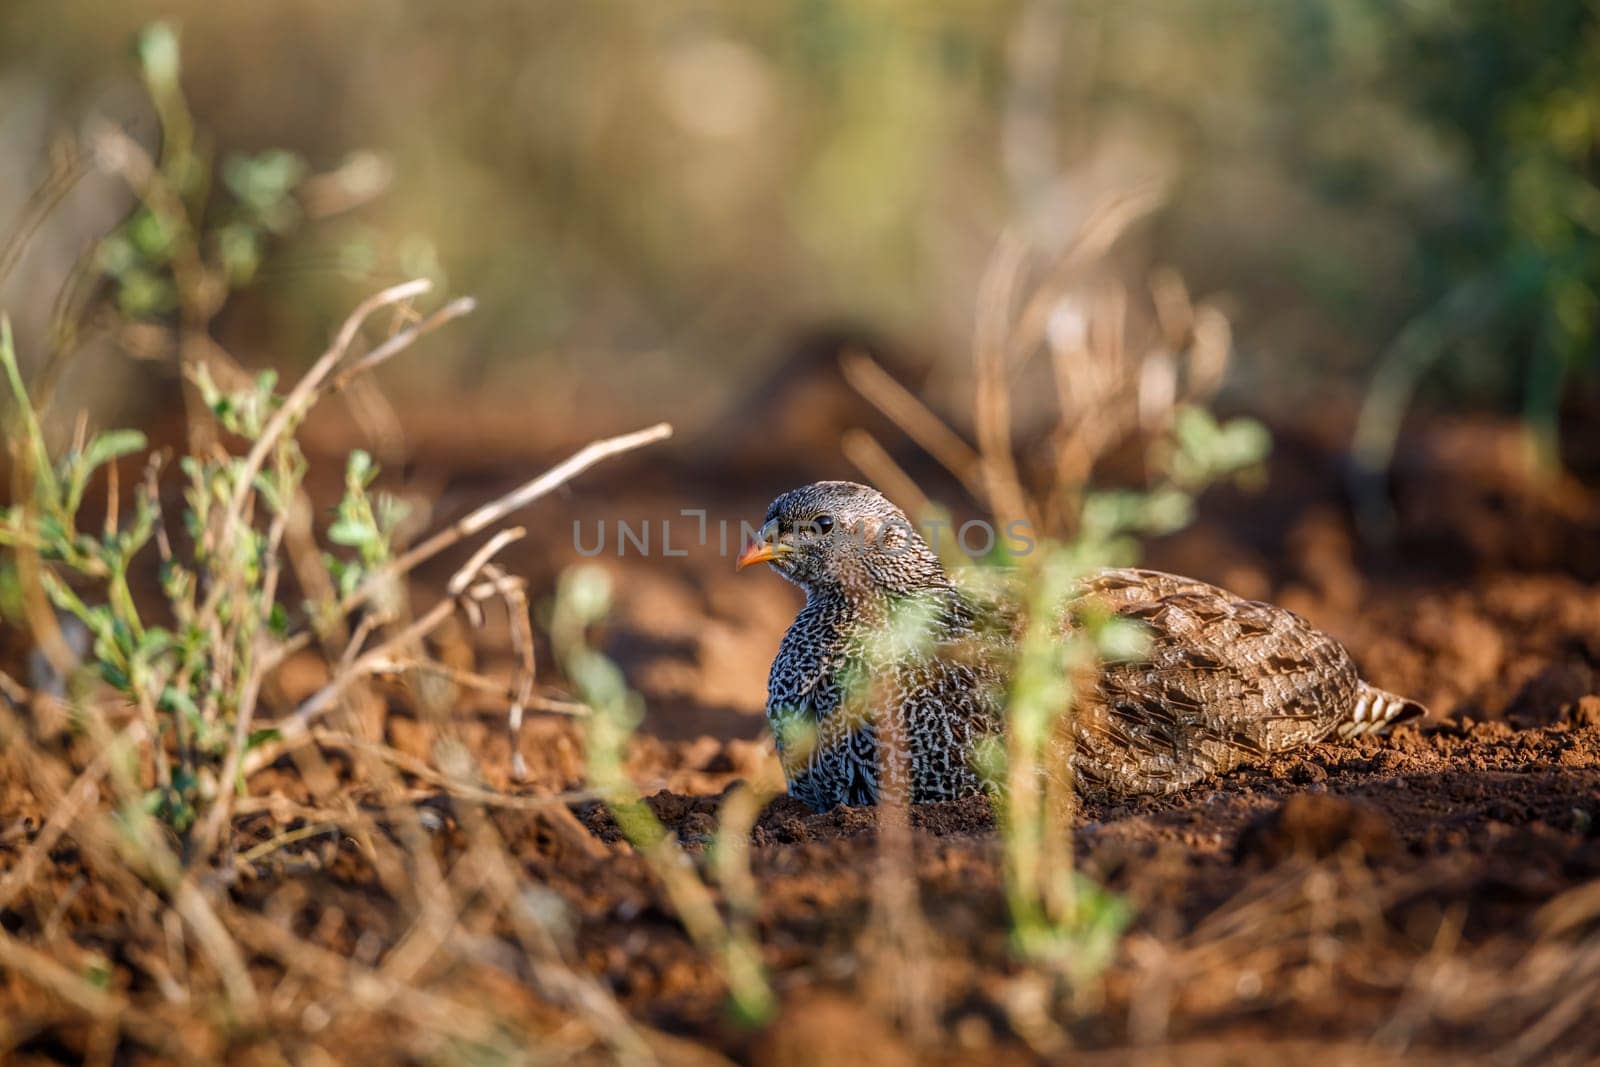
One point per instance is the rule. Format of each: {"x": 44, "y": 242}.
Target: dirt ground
{"x": 1430, "y": 897}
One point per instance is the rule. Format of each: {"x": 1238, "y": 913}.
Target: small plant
{"x": 184, "y": 247}
{"x": 193, "y": 665}
{"x": 194, "y": 668}
{"x": 1108, "y": 396}
{"x": 1057, "y": 914}
{"x": 188, "y": 623}
{"x": 203, "y": 228}
{"x": 583, "y": 599}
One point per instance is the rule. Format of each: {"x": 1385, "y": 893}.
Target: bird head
{"x": 845, "y": 537}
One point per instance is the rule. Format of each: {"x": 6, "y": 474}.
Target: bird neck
{"x": 866, "y": 588}
{"x": 850, "y": 606}
{"x": 904, "y": 568}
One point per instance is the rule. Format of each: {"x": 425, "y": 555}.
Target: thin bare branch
{"x": 303, "y": 395}
{"x": 403, "y": 340}
{"x": 879, "y": 468}
{"x": 41, "y": 204}
{"x": 992, "y": 346}
{"x": 521, "y": 497}
{"x": 476, "y": 562}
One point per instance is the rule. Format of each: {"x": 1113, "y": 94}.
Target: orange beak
{"x": 764, "y": 549}
{"x": 757, "y": 552}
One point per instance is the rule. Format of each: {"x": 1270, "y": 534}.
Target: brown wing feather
{"x": 1225, "y": 679}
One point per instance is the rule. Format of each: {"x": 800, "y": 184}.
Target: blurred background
{"x": 1386, "y": 212}
{"x": 654, "y": 202}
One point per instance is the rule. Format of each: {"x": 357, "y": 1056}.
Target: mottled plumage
{"x": 891, "y": 677}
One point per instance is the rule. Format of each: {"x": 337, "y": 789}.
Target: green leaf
{"x": 1196, "y": 430}
{"x": 151, "y": 237}
{"x": 263, "y": 183}
{"x": 392, "y": 511}
{"x": 359, "y": 469}
{"x": 113, "y": 444}
{"x": 1166, "y": 511}
{"x": 347, "y": 576}
{"x": 158, "y": 52}
{"x": 12, "y": 608}
{"x": 177, "y": 700}
{"x": 115, "y": 676}
{"x": 1243, "y": 442}
{"x": 1123, "y": 640}
{"x": 122, "y": 632}
{"x": 586, "y": 591}
{"x": 209, "y": 392}
{"x": 266, "y": 485}
{"x": 97, "y": 971}
{"x": 258, "y": 738}
{"x": 1111, "y": 511}
{"x": 54, "y": 535}
{"x": 145, "y": 295}
{"x": 116, "y": 255}
{"x": 155, "y": 641}
{"x": 352, "y": 533}
{"x": 239, "y": 247}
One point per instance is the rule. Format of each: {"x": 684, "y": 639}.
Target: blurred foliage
{"x": 582, "y": 601}
{"x": 639, "y": 190}
{"x": 189, "y": 679}
{"x": 189, "y": 664}
{"x": 1501, "y": 284}
{"x": 225, "y": 236}
{"x": 1517, "y": 87}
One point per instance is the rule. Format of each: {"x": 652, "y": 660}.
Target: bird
{"x": 862, "y": 703}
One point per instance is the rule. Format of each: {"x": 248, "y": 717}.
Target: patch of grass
{"x": 582, "y": 599}
{"x": 1110, "y": 396}
{"x": 170, "y": 705}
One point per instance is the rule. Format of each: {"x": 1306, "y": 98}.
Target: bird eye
{"x": 823, "y": 523}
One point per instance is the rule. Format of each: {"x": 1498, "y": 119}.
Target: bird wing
{"x": 1224, "y": 679}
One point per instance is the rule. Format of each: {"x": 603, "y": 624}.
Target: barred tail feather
{"x": 1375, "y": 711}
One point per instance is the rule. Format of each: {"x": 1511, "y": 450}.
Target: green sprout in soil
{"x": 583, "y": 598}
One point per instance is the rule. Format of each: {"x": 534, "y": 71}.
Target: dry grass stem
{"x": 879, "y": 468}
{"x": 519, "y": 498}
{"x": 902, "y": 407}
